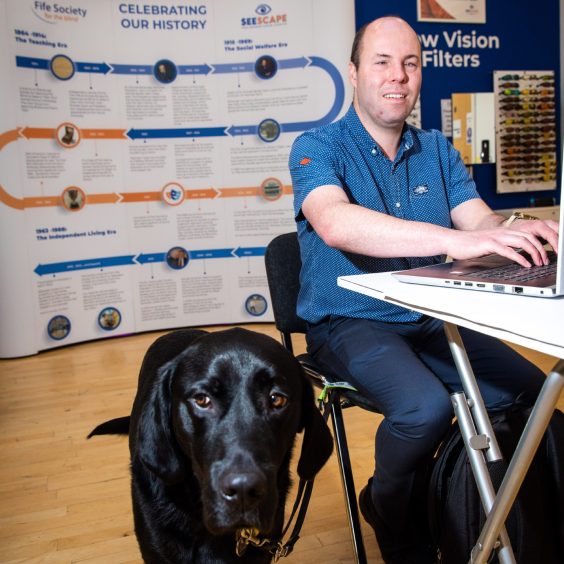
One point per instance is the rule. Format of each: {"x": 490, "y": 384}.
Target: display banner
{"x": 451, "y": 11}
{"x": 143, "y": 158}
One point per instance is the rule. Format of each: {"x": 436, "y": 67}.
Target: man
{"x": 373, "y": 194}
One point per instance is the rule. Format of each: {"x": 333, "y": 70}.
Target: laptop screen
{"x": 560, "y": 268}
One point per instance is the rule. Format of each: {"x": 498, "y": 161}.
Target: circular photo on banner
{"x": 68, "y": 135}
{"x": 271, "y": 189}
{"x": 165, "y": 71}
{"x": 177, "y": 258}
{"x": 74, "y": 198}
{"x": 58, "y": 327}
{"x": 256, "y": 305}
{"x": 266, "y": 67}
{"x": 62, "y": 67}
{"x": 269, "y": 130}
{"x": 109, "y": 319}
{"x": 173, "y": 194}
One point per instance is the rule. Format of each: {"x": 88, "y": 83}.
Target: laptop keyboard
{"x": 518, "y": 273}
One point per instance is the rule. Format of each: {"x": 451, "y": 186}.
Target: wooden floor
{"x": 64, "y": 499}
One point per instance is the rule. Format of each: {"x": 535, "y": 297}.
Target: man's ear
{"x": 317, "y": 444}
{"x": 352, "y": 74}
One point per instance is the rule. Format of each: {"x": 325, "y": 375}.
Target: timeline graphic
{"x": 135, "y": 197}
{"x": 205, "y": 69}
{"x": 144, "y": 258}
{"x": 144, "y": 167}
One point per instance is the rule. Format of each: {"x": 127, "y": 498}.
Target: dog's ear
{"x": 151, "y": 415}
{"x": 317, "y": 444}
{"x": 156, "y": 445}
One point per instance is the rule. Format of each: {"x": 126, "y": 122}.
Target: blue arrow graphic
{"x": 300, "y": 62}
{"x": 205, "y": 69}
{"x": 145, "y": 258}
{"x": 211, "y": 254}
{"x": 233, "y": 67}
{"x": 304, "y": 125}
{"x": 43, "y": 64}
{"x": 102, "y": 68}
{"x": 32, "y": 63}
{"x": 249, "y": 252}
{"x": 194, "y": 69}
{"x": 131, "y": 69}
{"x": 171, "y": 133}
{"x": 243, "y": 130}
{"x": 74, "y": 265}
{"x": 337, "y": 104}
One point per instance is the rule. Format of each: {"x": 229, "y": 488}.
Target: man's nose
{"x": 397, "y": 72}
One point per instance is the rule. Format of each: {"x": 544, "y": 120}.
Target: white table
{"x": 536, "y": 323}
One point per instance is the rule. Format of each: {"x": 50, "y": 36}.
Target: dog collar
{"x": 250, "y": 536}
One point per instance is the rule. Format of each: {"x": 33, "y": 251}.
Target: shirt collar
{"x": 365, "y": 140}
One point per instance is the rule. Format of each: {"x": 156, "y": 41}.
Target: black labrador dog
{"x": 211, "y": 433}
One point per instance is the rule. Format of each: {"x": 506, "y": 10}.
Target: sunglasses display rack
{"x": 525, "y": 130}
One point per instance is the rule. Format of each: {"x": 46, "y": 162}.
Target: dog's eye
{"x": 202, "y": 401}
{"x": 277, "y": 401}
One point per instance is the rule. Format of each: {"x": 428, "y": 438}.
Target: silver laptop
{"x": 494, "y": 273}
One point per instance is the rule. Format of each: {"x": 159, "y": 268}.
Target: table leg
{"x": 473, "y": 395}
{"x": 477, "y": 433}
{"x": 520, "y": 462}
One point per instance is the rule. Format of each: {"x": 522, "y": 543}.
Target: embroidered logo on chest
{"x": 420, "y": 189}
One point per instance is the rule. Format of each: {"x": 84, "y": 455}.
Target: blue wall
{"x": 529, "y": 39}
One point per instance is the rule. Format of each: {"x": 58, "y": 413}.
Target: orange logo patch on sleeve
{"x": 305, "y": 161}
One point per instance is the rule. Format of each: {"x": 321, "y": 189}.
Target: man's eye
{"x": 278, "y": 401}
{"x": 202, "y": 401}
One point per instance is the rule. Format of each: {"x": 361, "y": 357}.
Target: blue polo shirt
{"x": 425, "y": 182}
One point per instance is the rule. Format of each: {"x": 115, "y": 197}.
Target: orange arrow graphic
{"x": 140, "y": 196}
{"x": 103, "y": 133}
{"x": 38, "y": 132}
{"x": 47, "y": 201}
{"x": 238, "y": 192}
{"x": 249, "y": 191}
{"x": 10, "y": 201}
{"x": 128, "y": 197}
{"x": 8, "y": 137}
{"x": 41, "y": 201}
{"x": 111, "y": 198}
{"x": 195, "y": 194}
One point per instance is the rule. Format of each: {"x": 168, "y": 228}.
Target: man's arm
{"x": 475, "y": 214}
{"x": 356, "y": 229}
{"x": 352, "y": 228}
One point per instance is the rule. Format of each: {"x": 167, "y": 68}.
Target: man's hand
{"x": 545, "y": 230}
{"x": 522, "y": 234}
{"x": 480, "y": 231}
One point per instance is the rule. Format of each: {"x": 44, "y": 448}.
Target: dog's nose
{"x": 245, "y": 489}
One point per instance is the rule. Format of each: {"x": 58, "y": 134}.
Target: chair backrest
{"x": 283, "y": 264}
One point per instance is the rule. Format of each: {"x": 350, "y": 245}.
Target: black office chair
{"x": 283, "y": 263}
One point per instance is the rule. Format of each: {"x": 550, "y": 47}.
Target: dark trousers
{"x": 408, "y": 370}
